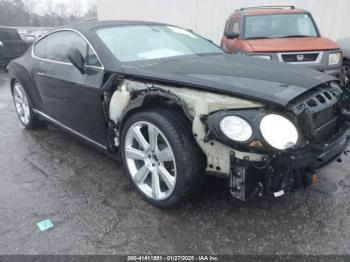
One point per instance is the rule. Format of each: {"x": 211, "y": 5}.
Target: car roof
{"x": 87, "y": 30}
{"x": 269, "y": 11}
{"x": 93, "y": 24}
{"x": 8, "y": 28}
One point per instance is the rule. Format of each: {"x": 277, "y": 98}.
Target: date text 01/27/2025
{"x": 173, "y": 258}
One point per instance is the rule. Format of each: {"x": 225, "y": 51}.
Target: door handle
{"x": 41, "y": 74}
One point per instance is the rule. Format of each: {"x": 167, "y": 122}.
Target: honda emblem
{"x": 300, "y": 58}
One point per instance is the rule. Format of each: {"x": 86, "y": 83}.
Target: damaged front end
{"x": 256, "y": 162}
{"x": 320, "y": 118}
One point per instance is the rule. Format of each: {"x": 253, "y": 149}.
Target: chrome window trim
{"x": 65, "y": 63}
{"x": 54, "y": 121}
{"x": 317, "y": 61}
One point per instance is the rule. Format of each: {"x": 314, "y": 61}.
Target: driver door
{"x": 69, "y": 97}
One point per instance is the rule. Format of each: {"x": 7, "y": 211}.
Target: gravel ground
{"x": 47, "y": 174}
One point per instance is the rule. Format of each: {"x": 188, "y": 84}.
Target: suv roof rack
{"x": 268, "y": 7}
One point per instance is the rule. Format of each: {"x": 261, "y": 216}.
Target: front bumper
{"x": 319, "y": 64}
{"x": 316, "y": 158}
{"x": 334, "y": 72}
{"x": 4, "y": 63}
{"x": 285, "y": 171}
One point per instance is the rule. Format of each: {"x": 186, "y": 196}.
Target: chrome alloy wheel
{"x": 21, "y": 103}
{"x": 150, "y": 160}
{"x": 346, "y": 72}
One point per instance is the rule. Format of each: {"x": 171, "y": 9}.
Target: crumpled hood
{"x": 298, "y": 44}
{"x": 244, "y": 76}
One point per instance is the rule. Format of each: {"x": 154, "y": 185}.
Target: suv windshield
{"x": 279, "y": 26}
{"x": 143, "y": 42}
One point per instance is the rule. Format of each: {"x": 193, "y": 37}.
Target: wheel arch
{"x": 19, "y": 73}
{"x": 157, "y": 100}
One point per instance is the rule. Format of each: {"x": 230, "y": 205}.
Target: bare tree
{"x": 23, "y": 13}
{"x": 49, "y": 6}
{"x": 76, "y": 8}
{"x": 91, "y": 4}
{"x": 30, "y": 5}
{"x": 60, "y": 9}
{"x": 91, "y": 9}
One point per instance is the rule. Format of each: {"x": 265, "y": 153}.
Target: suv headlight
{"x": 278, "y": 131}
{"x": 1, "y": 43}
{"x": 334, "y": 58}
{"x": 266, "y": 57}
{"x": 236, "y": 128}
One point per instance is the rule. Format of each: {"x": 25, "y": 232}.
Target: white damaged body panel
{"x": 198, "y": 103}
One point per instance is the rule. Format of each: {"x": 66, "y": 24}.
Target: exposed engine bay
{"x": 253, "y": 167}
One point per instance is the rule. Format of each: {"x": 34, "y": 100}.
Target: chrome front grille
{"x": 300, "y": 57}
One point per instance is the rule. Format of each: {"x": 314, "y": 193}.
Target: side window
{"x": 232, "y": 26}
{"x": 235, "y": 27}
{"x": 91, "y": 58}
{"x": 56, "y": 45}
{"x": 227, "y": 26}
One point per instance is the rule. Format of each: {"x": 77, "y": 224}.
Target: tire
{"x": 24, "y": 107}
{"x": 175, "y": 145}
{"x": 346, "y": 73}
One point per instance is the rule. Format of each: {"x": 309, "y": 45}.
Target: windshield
{"x": 143, "y": 42}
{"x": 279, "y": 26}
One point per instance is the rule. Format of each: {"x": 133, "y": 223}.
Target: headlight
{"x": 334, "y": 58}
{"x": 278, "y": 131}
{"x": 267, "y": 57}
{"x": 1, "y": 43}
{"x": 236, "y": 128}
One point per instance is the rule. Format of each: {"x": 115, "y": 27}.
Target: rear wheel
{"x": 23, "y": 107}
{"x": 161, "y": 156}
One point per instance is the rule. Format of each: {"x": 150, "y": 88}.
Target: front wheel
{"x": 161, "y": 156}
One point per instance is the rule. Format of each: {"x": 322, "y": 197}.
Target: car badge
{"x": 300, "y": 58}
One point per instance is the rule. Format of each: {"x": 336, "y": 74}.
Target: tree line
{"x": 20, "y": 13}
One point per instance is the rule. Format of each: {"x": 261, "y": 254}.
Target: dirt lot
{"x": 46, "y": 174}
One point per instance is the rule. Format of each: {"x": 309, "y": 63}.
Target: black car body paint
{"x": 79, "y": 103}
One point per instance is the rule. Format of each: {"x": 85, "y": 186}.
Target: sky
{"x": 42, "y": 6}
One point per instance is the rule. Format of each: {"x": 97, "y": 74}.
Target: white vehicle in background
{"x": 29, "y": 38}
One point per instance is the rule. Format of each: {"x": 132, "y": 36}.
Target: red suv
{"x": 281, "y": 33}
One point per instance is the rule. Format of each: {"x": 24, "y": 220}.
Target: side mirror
{"x": 77, "y": 59}
{"x": 231, "y": 35}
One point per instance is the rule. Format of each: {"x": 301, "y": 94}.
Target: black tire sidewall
{"x": 181, "y": 153}
{"x": 32, "y": 119}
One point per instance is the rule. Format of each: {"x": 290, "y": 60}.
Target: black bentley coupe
{"x": 176, "y": 108}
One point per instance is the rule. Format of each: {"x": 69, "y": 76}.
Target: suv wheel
{"x": 346, "y": 73}
{"x": 161, "y": 156}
